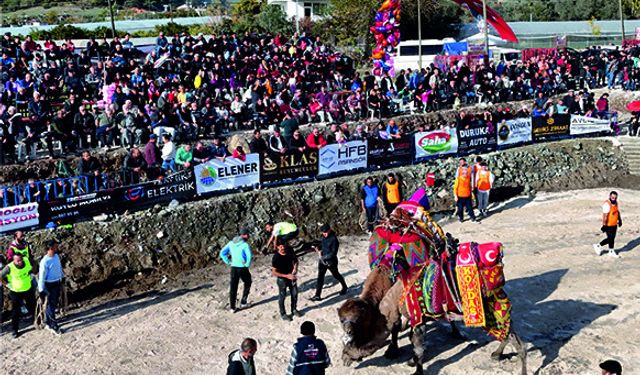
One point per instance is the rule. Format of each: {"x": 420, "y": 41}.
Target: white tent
{"x": 479, "y": 39}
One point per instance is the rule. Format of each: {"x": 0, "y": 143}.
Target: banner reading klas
{"x": 216, "y": 175}
{"x": 436, "y": 143}
{"x": 288, "y": 166}
{"x": 343, "y": 157}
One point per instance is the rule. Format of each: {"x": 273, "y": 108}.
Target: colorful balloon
{"x": 386, "y": 32}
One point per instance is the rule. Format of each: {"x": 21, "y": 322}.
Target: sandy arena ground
{"x": 573, "y": 308}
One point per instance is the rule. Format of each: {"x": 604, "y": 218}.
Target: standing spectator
{"x": 19, "y": 245}
{"x": 462, "y": 191}
{"x": 258, "y": 144}
{"x": 200, "y": 154}
{"x": 391, "y": 193}
{"x": 288, "y": 126}
{"x": 277, "y": 144}
{"x": 168, "y": 154}
{"x": 90, "y": 167}
{"x": 219, "y": 150}
{"x": 315, "y": 139}
{"x": 309, "y": 355}
{"x": 369, "y": 195}
{"x": 297, "y": 144}
{"x": 241, "y": 361}
{"x": 284, "y": 266}
{"x": 328, "y": 253}
{"x": 611, "y": 220}
{"x": 237, "y": 254}
{"x": 50, "y": 284}
{"x": 184, "y": 157}
{"x": 152, "y": 157}
{"x": 483, "y": 183}
{"x": 134, "y": 164}
{"x": 18, "y": 275}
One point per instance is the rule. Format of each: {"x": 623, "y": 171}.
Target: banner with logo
{"x": 344, "y": 157}
{"x": 17, "y": 217}
{"x": 479, "y": 137}
{"x": 68, "y": 209}
{"x": 436, "y": 143}
{"x": 588, "y": 125}
{"x": 179, "y": 186}
{"x": 216, "y": 175}
{"x": 383, "y": 152}
{"x": 545, "y": 128}
{"x": 288, "y": 166}
{"x": 514, "y": 132}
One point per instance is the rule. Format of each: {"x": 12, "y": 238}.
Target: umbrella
{"x": 634, "y": 106}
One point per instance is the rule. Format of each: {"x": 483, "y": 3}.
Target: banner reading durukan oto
{"x": 216, "y": 175}
{"x": 343, "y": 157}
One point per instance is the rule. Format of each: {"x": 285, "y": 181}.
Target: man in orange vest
{"x": 463, "y": 189}
{"x": 611, "y": 220}
{"x": 483, "y": 183}
{"x": 391, "y": 193}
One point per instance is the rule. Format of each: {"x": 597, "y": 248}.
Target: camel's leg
{"x": 392, "y": 351}
{"x": 497, "y": 354}
{"x": 418, "y": 348}
{"x": 521, "y": 347}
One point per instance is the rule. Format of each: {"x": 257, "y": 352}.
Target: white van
{"x": 408, "y": 51}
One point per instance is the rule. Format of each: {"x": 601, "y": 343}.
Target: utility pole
{"x": 113, "y": 23}
{"x": 297, "y": 19}
{"x": 419, "y": 36}
{"x": 621, "y": 19}
{"x": 486, "y": 32}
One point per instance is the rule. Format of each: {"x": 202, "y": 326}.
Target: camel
{"x": 370, "y": 318}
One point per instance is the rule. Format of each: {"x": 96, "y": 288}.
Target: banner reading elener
{"x": 344, "y": 157}
{"x": 216, "y": 175}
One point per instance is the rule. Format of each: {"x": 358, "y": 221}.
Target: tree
{"x": 440, "y": 19}
{"x": 272, "y": 19}
{"x": 350, "y": 20}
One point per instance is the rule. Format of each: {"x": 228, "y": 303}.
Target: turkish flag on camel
{"x": 493, "y": 18}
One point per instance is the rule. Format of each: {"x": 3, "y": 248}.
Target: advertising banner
{"x": 383, "y": 152}
{"x": 588, "y": 125}
{"x": 550, "y": 128}
{"x": 80, "y": 206}
{"x": 436, "y": 143}
{"x": 514, "y": 132}
{"x": 17, "y": 217}
{"x": 344, "y": 157}
{"x": 180, "y": 186}
{"x": 479, "y": 137}
{"x": 216, "y": 175}
{"x": 289, "y": 166}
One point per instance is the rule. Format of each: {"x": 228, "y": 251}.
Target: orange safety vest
{"x": 484, "y": 180}
{"x": 463, "y": 183}
{"x": 393, "y": 192}
{"x": 613, "y": 215}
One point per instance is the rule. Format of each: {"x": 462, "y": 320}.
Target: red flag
{"x": 493, "y": 18}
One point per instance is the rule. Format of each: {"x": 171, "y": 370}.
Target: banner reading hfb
{"x": 344, "y": 157}
{"x": 216, "y": 175}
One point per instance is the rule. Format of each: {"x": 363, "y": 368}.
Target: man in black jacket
{"x": 309, "y": 355}
{"x": 241, "y": 361}
{"x": 328, "y": 261}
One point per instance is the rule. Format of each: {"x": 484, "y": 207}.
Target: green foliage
{"x": 60, "y": 32}
{"x": 350, "y": 20}
{"x": 272, "y": 19}
{"x": 171, "y": 28}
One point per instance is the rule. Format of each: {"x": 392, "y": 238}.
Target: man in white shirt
{"x": 168, "y": 154}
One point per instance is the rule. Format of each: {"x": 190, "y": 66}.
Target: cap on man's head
{"x": 325, "y": 228}
{"x": 153, "y": 136}
{"x": 244, "y": 231}
{"x": 50, "y": 243}
{"x": 612, "y": 367}
{"x": 308, "y": 328}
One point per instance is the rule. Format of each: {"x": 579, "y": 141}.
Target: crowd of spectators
{"x": 188, "y": 89}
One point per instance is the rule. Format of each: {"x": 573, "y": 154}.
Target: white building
{"x": 313, "y": 9}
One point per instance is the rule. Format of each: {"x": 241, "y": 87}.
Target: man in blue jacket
{"x": 309, "y": 355}
{"x": 237, "y": 254}
{"x": 369, "y": 202}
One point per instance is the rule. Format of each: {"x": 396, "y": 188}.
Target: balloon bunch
{"x": 386, "y": 32}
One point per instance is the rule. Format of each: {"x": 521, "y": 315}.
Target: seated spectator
{"x": 315, "y": 140}
{"x": 184, "y": 157}
{"x": 134, "y": 164}
{"x": 89, "y": 166}
{"x": 297, "y": 144}
{"x": 200, "y": 154}
{"x": 360, "y": 134}
{"x": 152, "y": 157}
{"x": 218, "y": 149}
{"x": 393, "y": 129}
{"x": 277, "y": 144}
{"x": 239, "y": 153}
{"x": 258, "y": 144}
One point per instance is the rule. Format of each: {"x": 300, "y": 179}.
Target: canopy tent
{"x": 455, "y": 49}
{"x": 479, "y": 39}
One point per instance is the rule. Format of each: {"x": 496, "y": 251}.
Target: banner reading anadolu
{"x": 513, "y": 132}
{"x": 348, "y": 156}
{"x": 16, "y": 217}
{"x": 216, "y": 175}
{"x": 588, "y": 125}
{"x": 436, "y": 143}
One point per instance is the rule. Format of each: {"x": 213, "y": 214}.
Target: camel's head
{"x": 355, "y": 315}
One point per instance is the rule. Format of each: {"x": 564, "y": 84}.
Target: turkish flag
{"x": 493, "y": 18}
